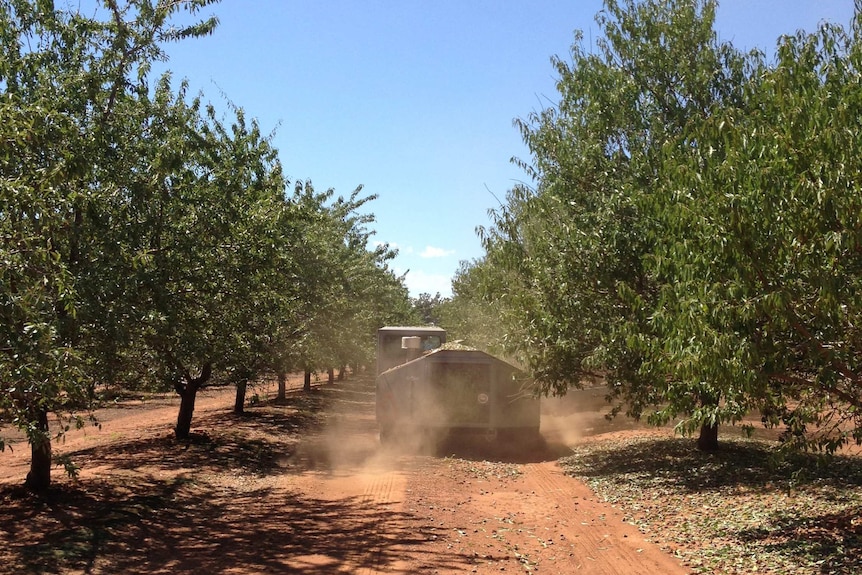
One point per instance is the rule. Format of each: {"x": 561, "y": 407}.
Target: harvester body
{"x": 454, "y": 389}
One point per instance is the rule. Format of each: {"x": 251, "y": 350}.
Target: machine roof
{"x": 444, "y": 354}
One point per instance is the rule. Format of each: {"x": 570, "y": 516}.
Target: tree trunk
{"x": 187, "y": 409}
{"x": 39, "y": 476}
{"x": 239, "y": 402}
{"x": 188, "y": 393}
{"x": 306, "y": 383}
{"x": 708, "y": 440}
{"x": 330, "y": 373}
{"x": 282, "y": 386}
{"x": 341, "y": 371}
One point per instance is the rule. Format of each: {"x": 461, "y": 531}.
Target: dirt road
{"x": 284, "y": 489}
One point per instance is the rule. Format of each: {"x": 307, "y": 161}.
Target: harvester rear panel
{"x": 456, "y": 390}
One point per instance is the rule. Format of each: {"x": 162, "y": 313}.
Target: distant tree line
{"x": 693, "y": 228}
{"x": 148, "y": 241}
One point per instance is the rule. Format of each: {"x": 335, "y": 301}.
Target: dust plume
{"x": 580, "y": 414}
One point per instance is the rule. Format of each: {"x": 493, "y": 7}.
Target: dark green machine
{"x": 450, "y": 389}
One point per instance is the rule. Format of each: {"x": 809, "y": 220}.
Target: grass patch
{"x": 737, "y": 511}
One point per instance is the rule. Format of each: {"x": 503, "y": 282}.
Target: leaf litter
{"x": 741, "y": 510}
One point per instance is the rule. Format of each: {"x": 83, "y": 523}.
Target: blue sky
{"x": 415, "y": 100}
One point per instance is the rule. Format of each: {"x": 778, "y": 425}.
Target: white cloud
{"x": 419, "y": 282}
{"x": 432, "y": 252}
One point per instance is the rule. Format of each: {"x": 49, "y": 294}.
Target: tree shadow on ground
{"x": 224, "y": 448}
{"x": 217, "y": 502}
{"x": 739, "y": 463}
{"x": 147, "y": 525}
{"x": 834, "y": 539}
{"x": 802, "y": 509}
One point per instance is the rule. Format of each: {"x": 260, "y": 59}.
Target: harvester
{"x": 437, "y": 389}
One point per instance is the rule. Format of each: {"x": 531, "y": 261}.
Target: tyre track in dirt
{"x": 344, "y": 464}
{"x": 594, "y": 530}
{"x": 488, "y": 516}
{"x": 378, "y": 494}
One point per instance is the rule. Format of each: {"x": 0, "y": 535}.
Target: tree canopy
{"x": 691, "y": 234}
{"x": 150, "y": 239}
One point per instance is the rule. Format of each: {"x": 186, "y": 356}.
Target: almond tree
{"x": 207, "y": 273}
{"x": 693, "y": 235}
{"x": 71, "y": 93}
{"x": 349, "y": 289}
{"x": 467, "y": 314}
{"x": 759, "y": 271}
{"x": 568, "y": 257}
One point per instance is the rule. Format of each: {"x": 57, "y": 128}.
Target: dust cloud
{"x": 344, "y": 446}
{"x": 348, "y": 443}
{"x": 580, "y": 414}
